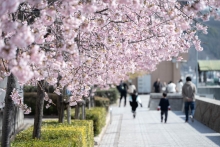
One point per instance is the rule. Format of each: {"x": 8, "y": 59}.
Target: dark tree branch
{"x": 101, "y": 11}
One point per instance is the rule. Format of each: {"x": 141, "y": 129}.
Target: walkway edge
{"x": 98, "y": 138}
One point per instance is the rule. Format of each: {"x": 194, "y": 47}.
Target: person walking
{"x": 157, "y": 86}
{"x": 164, "y": 106}
{"x": 131, "y": 88}
{"x": 134, "y": 100}
{"x": 119, "y": 87}
{"x": 123, "y": 92}
{"x": 188, "y": 93}
{"x": 179, "y": 86}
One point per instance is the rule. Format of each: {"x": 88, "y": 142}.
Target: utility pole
{"x": 196, "y": 67}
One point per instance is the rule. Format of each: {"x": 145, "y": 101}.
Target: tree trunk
{"x": 68, "y": 114}
{"x": 60, "y": 105}
{"x": 39, "y": 109}
{"x": 92, "y": 101}
{"x": 88, "y": 102}
{"x": 8, "y": 114}
{"x": 68, "y": 108}
{"x": 83, "y": 111}
{"x": 77, "y": 111}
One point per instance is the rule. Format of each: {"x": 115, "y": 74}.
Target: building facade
{"x": 166, "y": 71}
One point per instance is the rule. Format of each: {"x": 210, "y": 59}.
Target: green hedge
{"x": 29, "y": 88}
{"x": 102, "y": 102}
{"x": 112, "y": 94}
{"x": 98, "y": 115}
{"x": 30, "y": 100}
{"x": 78, "y": 134}
{"x": 89, "y": 130}
{"x": 61, "y": 142}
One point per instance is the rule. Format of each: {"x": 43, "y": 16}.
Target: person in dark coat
{"x": 123, "y": 92}
{"x": 164, "y": 106}
{"x": 134, "y": 100}
{"x": 157, "y": 86}
{"x": 119, "y": 87}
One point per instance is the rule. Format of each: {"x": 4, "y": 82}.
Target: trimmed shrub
{"x": 30, "y": 100}
{"x": 89, "y": 130}
{"x": 102, "y": 102}
{"x": 87, "y": 123}
{"x": 30, "y": 88}
{"x": 61, "y": 142}
{"x": 98, "y": 115}
{"x": 112, "y": 94}
{"x": 99, "y": 102}
{"x": 78, "y": 134}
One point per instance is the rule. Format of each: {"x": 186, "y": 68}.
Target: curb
{"x": 98, "y": 138}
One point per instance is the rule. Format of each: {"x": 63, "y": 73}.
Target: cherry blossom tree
{"x": 93, "y": 42}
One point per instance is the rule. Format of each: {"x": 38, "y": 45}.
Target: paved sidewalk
{"x": 146, "y": 130}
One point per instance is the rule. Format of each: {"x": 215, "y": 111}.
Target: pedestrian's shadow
{"x": 201, "y": 128}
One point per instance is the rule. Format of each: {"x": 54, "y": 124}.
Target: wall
{"x": 164, "y": 72}
{"x": 208, "y": 112}
{"x": 210, "y": 90}
{"x": 168, "y": 71}
{"x": 175, "y": 100}
{"x": 19, "y": 116}
{"x": 144, "y": 84}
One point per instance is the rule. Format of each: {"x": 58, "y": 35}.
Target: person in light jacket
{"x": 179, "y": 86}
{"x": 131, "y": 88}
{"x": 171, "y": 87}
{"x": 188, "y": 93}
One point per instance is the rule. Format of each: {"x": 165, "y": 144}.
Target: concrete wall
{"x": 175, "y": 100}
{"x": 210, "y": 90}
{"x": 19, "y": 115}
{"x": 208, "y": 112}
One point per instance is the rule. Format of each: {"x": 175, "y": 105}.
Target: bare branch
{"x": 101, "y": 11}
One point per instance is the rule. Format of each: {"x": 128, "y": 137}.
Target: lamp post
{"x": 197, "y": 64}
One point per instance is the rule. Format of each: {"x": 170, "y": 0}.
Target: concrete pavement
{"x": 146, "y": 130}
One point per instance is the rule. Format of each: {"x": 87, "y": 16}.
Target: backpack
{"x": 134, "y": 97}
{"x": 119, "y": 87}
